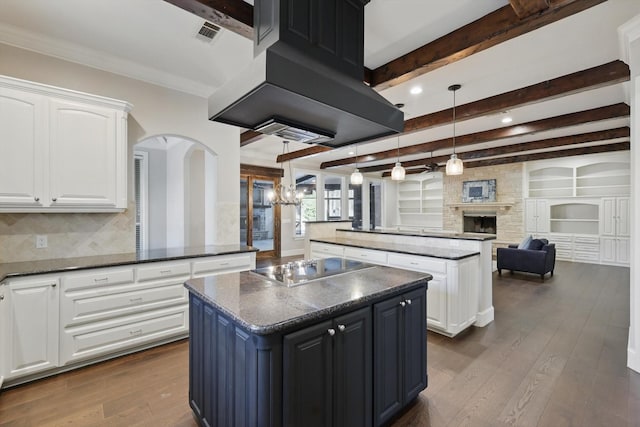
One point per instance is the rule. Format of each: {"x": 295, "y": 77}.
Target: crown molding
{"x": 628, "y": 33}
{"x": 73, "y": 52}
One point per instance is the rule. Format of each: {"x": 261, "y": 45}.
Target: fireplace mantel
{"x": 499, "y": 205}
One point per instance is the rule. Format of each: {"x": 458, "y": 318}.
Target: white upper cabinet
{"x": 65, "y": 151}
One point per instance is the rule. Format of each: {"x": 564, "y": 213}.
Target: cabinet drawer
{"x": 83, "y": 307}
{"x": 586, "y": 239}
{"x": 222, "y": 264}
{"x": 420, "y": 263}
{"x": 163, "y": 270}
{"x": 563, "y": 246}
{"x": 586, "y": 256}
{"x": 560, "y": 238}
{"x": 563, "y": 254}
{"x": 586, "y": 248}
{"x": 88, "y": 341}
{"x": 376, "y": 257}
{"x": 327, "y": 250}
{"x": 97, "y": 278}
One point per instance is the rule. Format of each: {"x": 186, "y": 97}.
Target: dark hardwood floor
{"x": 554, "y": 356}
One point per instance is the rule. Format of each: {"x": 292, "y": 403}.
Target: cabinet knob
{"x": 341, "y": 328}
{"x": 409, "y": 301}
{"x": 55, "y": 199}
{"x": 53, "y": 285}
{"x": 37, "y": 199}
{"x": 402, "y": 303}
{"x": 1, "y": 297}
{"x": 331, "y": 331}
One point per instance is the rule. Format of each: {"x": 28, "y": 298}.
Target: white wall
{"x": 630, "y": 44}
{"x": 156, "y": 111}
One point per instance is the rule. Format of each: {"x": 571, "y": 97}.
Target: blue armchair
{"x": 540, "y": 260}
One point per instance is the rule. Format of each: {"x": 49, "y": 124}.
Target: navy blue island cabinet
{"x": 358, "y": 367}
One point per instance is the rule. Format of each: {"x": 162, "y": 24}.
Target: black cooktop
{"x": 299, "y": 272}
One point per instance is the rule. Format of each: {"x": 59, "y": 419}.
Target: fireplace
{"x": 479, "y": 222}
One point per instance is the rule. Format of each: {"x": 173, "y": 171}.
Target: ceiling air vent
{"x": 207, "y": 32}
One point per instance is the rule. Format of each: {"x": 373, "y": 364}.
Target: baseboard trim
{"x": 484, "y": 317}
{"x": 633, "y": 360}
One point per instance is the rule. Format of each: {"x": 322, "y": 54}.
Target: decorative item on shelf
{"x": 454, "y": 164}
{"x": 285, "y": 195}
{"x": 356, "y": 176}
{"x": 482, "y": 191}
{"x": 398, "y": 172}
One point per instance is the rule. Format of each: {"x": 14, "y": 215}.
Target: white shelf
{"x": 420, "y": 201}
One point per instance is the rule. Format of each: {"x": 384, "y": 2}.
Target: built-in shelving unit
{"x": 582, "y": 205}
{"x": 420, "y": 201}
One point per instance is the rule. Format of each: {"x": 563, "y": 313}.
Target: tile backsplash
{"x": 68, "y": 235}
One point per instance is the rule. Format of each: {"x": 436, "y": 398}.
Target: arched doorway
{"x": 175, "y": 190}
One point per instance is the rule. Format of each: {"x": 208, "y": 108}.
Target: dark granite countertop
{"x": 27, "y": 268}
{"x": 445, "y": 253}
{"x": 437, "y": 234}
{"x": 263, "y": 306}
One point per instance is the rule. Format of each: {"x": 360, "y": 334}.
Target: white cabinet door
{"x": 608, "y": 216}
{"x": 623, "y": 209}
{"x": 536, "y": 216}
{"x": 22, "y": 132}
{"x": 4, "y": 321}
{"x": 437, "y": 302}
{"x": 82, "y": 155}
{"x": 320, "y": 250}
{"x": 32, "y": 332}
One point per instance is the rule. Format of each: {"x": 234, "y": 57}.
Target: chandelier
{"x": 285, "y": 195}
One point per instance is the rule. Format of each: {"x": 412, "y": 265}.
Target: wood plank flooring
{"x": 554, "y": 356}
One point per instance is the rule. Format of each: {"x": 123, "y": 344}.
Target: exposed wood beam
{"x": 314, "y": 149}
{"x": 249, "y": 136}
{"x": 603, "y": 135}
{"x": 233, "y": 15}
{"x": 524, "y": 8}
{"x": 619, "y": 146}
{"x": 572, "y": 119}
{"x": 498, "y": 26}
{"x": 591, "y": 78}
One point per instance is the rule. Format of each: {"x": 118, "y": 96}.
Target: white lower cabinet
{"x": 31, "y": 331}
{"x": 52, "y": 322}
{"x": 615, "y": 250}
{"x": 452, "y": 295}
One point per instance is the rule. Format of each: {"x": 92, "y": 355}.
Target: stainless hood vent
{"x": 305, "y": 82}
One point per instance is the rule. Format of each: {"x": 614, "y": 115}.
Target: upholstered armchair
{"x": 539, "y": 257}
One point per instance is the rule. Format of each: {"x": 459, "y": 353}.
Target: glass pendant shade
{"x": 398, "y": 172}
{"x": 454, "y": 165}
{"x": 356, "y": 177}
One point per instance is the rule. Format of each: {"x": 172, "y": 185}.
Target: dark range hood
{"x": 305, "y": 82}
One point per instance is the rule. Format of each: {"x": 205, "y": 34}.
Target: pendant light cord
{"x": 454, "y": 121}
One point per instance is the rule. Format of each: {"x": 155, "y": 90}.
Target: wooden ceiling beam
{"x": 592, "y": 78}
{"x": 249, "y": 136}
{"x": 572, "y": 119}
{"x": 583, "y": 138}
{"x": 314, "y": 149}
{"x": 496, "y": 27}
{"x": 233, "y": 15}
{"x": 606, "y": 148}
{"x": 525, "y": 8}
{"x": 602, "y": 75}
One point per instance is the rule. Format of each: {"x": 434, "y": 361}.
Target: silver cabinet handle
{"x": 402, "y": 303}
{"x": 53, "y": 285}
{"x": 1, "y": 297}
{"x": 104, "y": 279}
{"x": 165, "y": 271}
{"x": 341, "y": 328}
{"x": 37, "y": 199}
{"x": 409, "y": 301}
{"x": 331, "y": 331}
{"x": 55, "y": 199}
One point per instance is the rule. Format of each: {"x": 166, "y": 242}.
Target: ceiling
{"x": 155, "y": 41}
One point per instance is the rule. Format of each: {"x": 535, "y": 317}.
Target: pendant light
{"x": 454, "y": 164}
{"x": 398, "y": 172}
{"x": 285, "y": 195}
{"x": 356, "y": 176}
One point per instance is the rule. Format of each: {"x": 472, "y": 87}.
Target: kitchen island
{"x": 343, "y": 350}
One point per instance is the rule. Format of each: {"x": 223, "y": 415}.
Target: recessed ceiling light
{"x": 351, "y": 153}
{"x": 506, "y": 120}
{"x": 416, "y": 90}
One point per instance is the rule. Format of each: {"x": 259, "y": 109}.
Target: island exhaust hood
{"x": 305, "y": 81}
